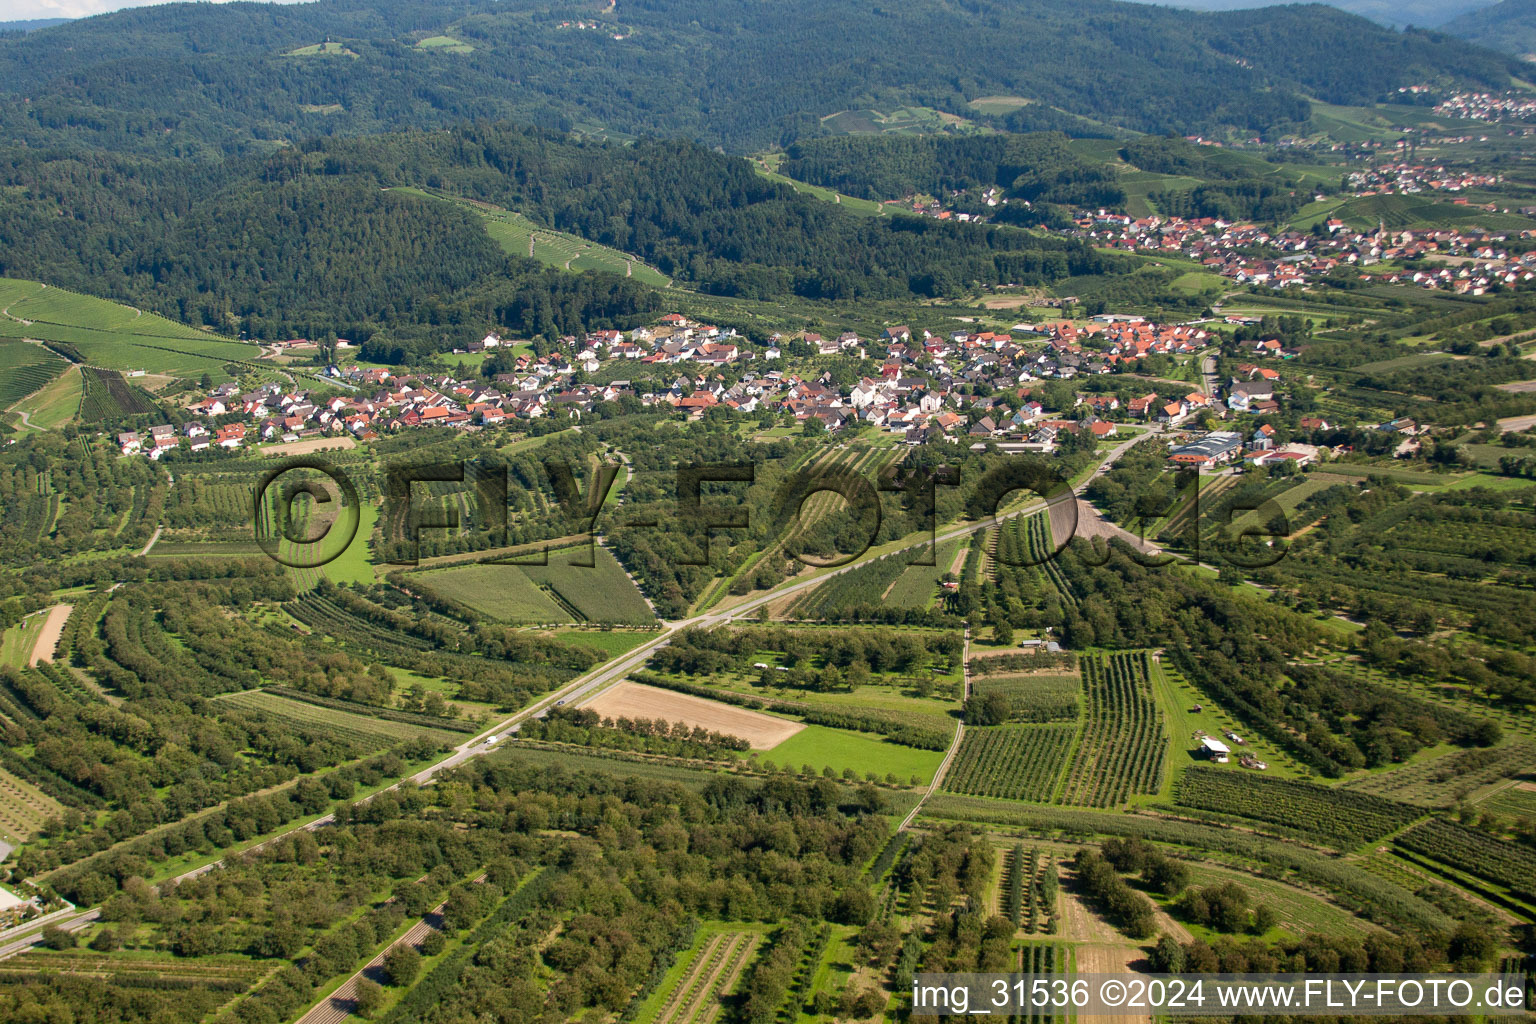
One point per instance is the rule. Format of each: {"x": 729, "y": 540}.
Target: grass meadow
{"x": 823, "y": 747}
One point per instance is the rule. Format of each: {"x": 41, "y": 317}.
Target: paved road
{"x": 69, "y": 923}
{"x": 1208, "y": 372}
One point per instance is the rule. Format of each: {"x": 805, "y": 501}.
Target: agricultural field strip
{"x": 1123, "y": 744}
{"x": 713, "y": 972}
{"x": 1463, "y": 849}
{"x": 344, "y": 722}
{"x": 338, "y": 1006}
{"x": 520, "y": 236}
{"x": 1037, "y": 697}
{"x": 1325, "y": 814}
{"x": 24, "y": 807}
{"x": 25, "y": 370}
{"x": 1011, "y": 762}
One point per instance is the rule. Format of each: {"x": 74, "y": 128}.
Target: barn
{"x": 1215, "y": 750}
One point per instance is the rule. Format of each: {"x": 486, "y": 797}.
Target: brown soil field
{"x": 48, "y": 639}
{"x": 310, "y": 445}
{"x": 633, "y": 700}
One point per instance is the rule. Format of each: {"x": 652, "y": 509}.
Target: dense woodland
{"x": 304, "y": 242}
{"x": 199, "y": 80}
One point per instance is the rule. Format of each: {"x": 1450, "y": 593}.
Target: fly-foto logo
{"x": 712, "y": 497}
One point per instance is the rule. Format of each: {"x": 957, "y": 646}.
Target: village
{"x": 1006, "y": 389}
{"x": 1474, "y": 262}
{"x": 1411, "y": 179}
{"x": 1485, "y": 106}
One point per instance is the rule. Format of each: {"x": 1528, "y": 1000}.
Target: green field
{"x": 598, "y": 593}
{"x": 1036, "y": 697}
{"x": 822, "y": 747}
{"x": 1408, "y": 362}
{"x": 1297, "y": 910}
{"x": 56, "y": 404}
{"x": 464, "y": 361}
{"x": 17, "y": 642}
{"x": 1140, "y": 185}
{"x": 767, "y": 167}
{"x": 613, "y": 642}
{"x": 114, "y": 337}
{"x": 500, "y": 591}
{"x": 576, "y": 759}
{"x": 719, "y": 953}
{"x": 1194, "y": 282}
{"x": 23, "y": 807}
{"x": 355, "y": 563}
{"x": 998, "y": 105}
{"x": 1011, "y": 762}
{"x": 1288, "y": 501}
{"x": 1398, "y": 474}
{"x": 914, "y": 120}
{"x": 1178, "y": 699}
{"x": 25, "y": 369}
{"x": 519, "y": 236}
{"x": 1513, "y": 802}
{"x": 918, "y": 585}
{"x": 1383, "y": 122}
{"x": 109, "y": 397}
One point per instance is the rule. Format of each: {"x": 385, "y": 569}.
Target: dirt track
{"x": 1102, "y": 950}
{"x": 48, "y": 639}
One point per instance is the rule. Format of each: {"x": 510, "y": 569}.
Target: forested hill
{"x": 290, "y": 242}
{"x": 739, "y": 73}
{"x": 1509, "y": 26}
